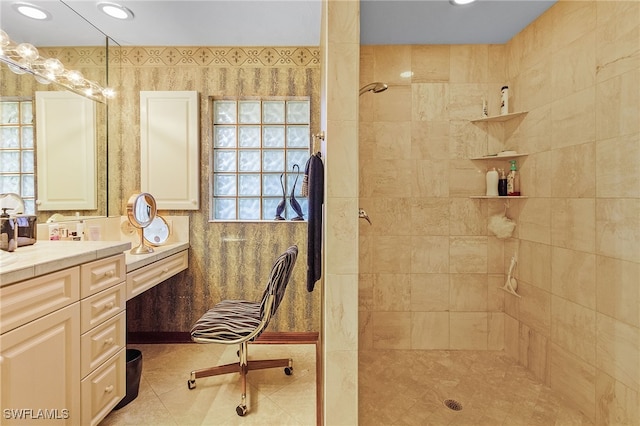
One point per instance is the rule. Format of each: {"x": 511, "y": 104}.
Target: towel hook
{"x": 316, "y": 137}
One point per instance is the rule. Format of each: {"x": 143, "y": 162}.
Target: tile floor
{"x": 492, "y": 389}
{"x": 273, "y": 397}
{"x": 396, "y": 387}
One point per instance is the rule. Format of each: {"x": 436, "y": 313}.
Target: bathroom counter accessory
{"x": 499, "y": 118}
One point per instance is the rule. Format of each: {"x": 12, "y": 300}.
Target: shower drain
{"x": 452, "y": 404}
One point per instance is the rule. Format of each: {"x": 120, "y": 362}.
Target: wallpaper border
{"x": 196, "y": 56}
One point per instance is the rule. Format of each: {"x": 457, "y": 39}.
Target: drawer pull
{"x": 109, "y": 273}
{"x": 109, "y": 341}
{"x": 165, "y": 270}
{"x": 109, "y": 305}
{"x": 109, "y": 389}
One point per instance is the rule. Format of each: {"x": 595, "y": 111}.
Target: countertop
{"x": 135, "y": 261}
{"x": 45, "y": 257}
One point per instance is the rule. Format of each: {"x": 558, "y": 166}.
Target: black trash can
{"x": 134, "y": 371}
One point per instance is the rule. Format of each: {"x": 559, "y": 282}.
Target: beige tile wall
{"x": 339, "y": 45}
{"x": 430, "y": 268}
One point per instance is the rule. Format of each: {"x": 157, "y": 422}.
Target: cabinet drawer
{"x": 146, "y": 277}
{"x": 101, "y": 274}
{"x": 31, "y": 299}
{"x": 103, "y": 389}
{"x": 101, "y": 306}
{"x": 102, "y": 342}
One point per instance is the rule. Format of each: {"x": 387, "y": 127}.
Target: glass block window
{"x": 260, "y": 149}
{"x": 17, "y": 156}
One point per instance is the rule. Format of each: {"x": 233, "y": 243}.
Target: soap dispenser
{"x": 8, "y": 231}
{"x": 513, "y": 180}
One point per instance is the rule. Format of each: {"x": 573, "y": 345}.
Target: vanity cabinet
{"x": 40, "y": 370}
{"x": 148, "y": 276}
{"x": 62, "y": 345}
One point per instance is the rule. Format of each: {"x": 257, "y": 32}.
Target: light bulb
{"x": 109, "y": 93}
{"x": 4, "y": 39}
{"x": 74, "y": 76}
{"x": 27, "y": 51}
{"x": 54, "y": 66}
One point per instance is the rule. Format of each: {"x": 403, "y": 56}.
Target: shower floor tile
{"x": 398, "y": 387}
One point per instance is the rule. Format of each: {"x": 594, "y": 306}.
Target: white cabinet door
{"x": 66, "y": 151}
{"x": 169, "y": 154}
{"x": 40, "y": 370}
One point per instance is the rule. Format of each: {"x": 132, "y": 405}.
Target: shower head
{"x": 376, "y": 87}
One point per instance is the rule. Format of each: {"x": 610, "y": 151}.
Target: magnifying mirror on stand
{"x": 141, "y": 210}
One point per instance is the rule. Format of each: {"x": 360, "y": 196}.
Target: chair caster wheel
{"x": 241, "y": 410}
{"x": 288, "y": 371}
{"x": 191, "y": 384}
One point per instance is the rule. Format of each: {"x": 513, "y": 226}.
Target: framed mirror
{"x": 20, "y": 172}
{"x": 141, "y": 211}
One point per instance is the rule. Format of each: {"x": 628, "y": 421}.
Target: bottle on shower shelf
{"x": 492, "y": 182}
{"x": 513, "y": 180}
{"x": 502, "y": 183}
{"x": 504, "y": 100}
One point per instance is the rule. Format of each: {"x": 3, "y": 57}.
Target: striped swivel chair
{"x": 240, "y": 322}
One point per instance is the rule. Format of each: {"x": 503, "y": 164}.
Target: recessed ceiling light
{"x": 461, "y": 2}
{"x": 115, "y": 10}
{"x": 31, "y": 11}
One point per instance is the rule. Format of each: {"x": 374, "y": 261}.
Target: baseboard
{"x": 271, "y": 337}
{"x": 143, "y": 337}
{"x": 288, "y": 337}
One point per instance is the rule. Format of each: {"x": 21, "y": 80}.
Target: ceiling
{"x": 268, "y": 22}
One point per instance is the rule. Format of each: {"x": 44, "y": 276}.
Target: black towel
{"x": 315, "y": 172}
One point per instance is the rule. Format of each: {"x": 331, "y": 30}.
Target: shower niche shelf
{"x": 499, "y": 118}
{"x": 498, "y": 196}
{"x": 499, "y": 157}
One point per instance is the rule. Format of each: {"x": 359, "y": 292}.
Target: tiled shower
{"x": 430, "y": 270}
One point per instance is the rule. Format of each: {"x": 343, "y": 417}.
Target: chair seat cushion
{"x": 227, "y": 321}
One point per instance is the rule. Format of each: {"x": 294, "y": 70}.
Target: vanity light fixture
{"x": 115, "y": 10}
{"x": 23, "y": 58}
{"x": 461, "y": 2}
{"x": 31, "y": 11}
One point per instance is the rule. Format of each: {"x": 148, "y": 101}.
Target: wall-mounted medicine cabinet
{"x": 169, "y": 154}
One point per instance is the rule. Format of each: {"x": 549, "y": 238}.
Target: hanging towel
{"x": 314, "y": 170}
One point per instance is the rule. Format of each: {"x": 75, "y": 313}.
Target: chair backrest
{"x": 278, "y": 280}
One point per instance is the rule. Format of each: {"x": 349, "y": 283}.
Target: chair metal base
{"x": 243, "y": 366}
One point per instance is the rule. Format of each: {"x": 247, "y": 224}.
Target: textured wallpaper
{"x": 226, "y": 260}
